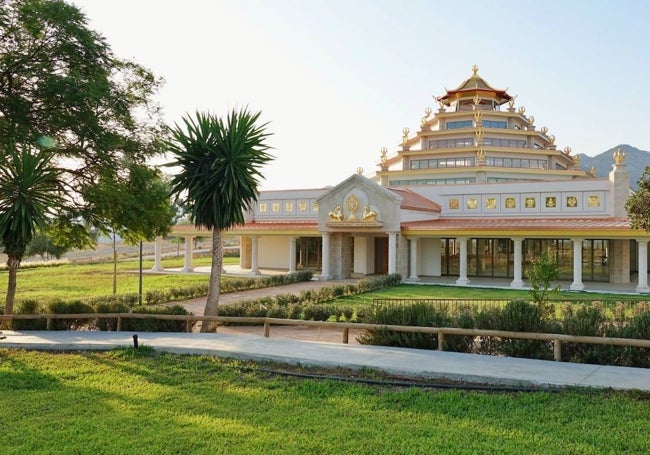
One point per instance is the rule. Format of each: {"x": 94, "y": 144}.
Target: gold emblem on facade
{"x": 336, "y": 214}
{"x": 405, "y": 136}
{"x": 368, "y": 215}
{"x": 352, "y": 204}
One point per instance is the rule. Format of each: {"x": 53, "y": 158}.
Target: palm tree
{"x": 30, "y": 191}
{"x": 220, "y": 163}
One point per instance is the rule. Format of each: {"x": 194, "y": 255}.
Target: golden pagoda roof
{"x": 476, "y": 85}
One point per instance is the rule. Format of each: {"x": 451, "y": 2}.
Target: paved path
{"x": 414, "y": 362}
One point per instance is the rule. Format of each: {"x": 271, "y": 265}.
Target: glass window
{"x": 495, "y": 124}
{"x": 459, "y": 124}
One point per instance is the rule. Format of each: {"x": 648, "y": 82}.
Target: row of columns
{"x": 517, "y": 282}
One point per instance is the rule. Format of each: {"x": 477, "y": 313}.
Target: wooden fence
{"x": 441, "y": 332}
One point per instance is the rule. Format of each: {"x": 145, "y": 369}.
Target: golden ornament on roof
{"x": 521, "y": 110}
{"x": 474, "y": 70}
{"x": 478, "y": 115}
{"x": 567, "y": 150}
{"x": 576, "y": 160}
{"x": 511, "y": 102}
{"x": 359, "y": 170}
{"x": 476, "y": 99}
{"x": 551, "y": 139}
{"x": 479, "y": 133}
{"x": 405, "y": 136}
{"x": 544, "y": 130}
{"x": 531, "y": 120}
{"x": 619, "y": 156}
{"x": 592, "y": 171}
{"x": 427, "y": 113}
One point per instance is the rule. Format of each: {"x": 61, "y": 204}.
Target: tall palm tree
{"x": 220, "y": 166}
{"x": 30, "y": 192}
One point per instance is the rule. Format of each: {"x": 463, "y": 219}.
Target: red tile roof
{"x": 413, "y": 201}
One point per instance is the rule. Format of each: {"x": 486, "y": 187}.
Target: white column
{"x": 157, "y": 254}
{"x": 462, "y": 277}
{"x": 577, "y": 266}
{"x": 325, "y": 268}
{"x": 392, "y": 253}
{"x": 187, "y": 267}
{"x": 413, "y": 260}
{"x": 292, "y": 254}
{"x": 642, "y": 285}
{"x": 254, "y": 267}
{"x": 517, "y": 282}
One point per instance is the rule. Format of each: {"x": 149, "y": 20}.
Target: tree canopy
{"x": 638, "y": 205}
{"x": 220, "y": 163}
{"x": 62, "y": 88}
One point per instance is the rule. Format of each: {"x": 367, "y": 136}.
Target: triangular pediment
{"x": 359, "y": 203}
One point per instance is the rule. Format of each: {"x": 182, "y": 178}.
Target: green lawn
{"x": 121, "y": 402}
{"x": 78, "y": 281}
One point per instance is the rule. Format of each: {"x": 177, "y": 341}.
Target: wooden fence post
{"x": 49, "y": 324}
{"x": 119, "y": 323}
{"x": 267, "y": 329}
{"x": 557, "y": 350}
{"x": 441, "y": 341}
{"x": 346, "y": 334}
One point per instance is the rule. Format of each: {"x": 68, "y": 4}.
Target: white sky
{"x": 339, "y": 79}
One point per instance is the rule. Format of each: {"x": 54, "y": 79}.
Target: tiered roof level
{"x": 477, "y": 135}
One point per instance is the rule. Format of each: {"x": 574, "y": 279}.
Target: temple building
{"x": 477, "y": 190}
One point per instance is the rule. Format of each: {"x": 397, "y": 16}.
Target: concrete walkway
{"x": 410, "y": 362}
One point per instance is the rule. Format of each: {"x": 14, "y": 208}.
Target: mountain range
{"x": 636, "y": 161}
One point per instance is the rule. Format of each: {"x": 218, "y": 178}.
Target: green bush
{"x": 110, "y": 307}
{"x": 29, "y": 307}
{"x": 71, "y": 307}
{"x": 155, "y": 325}
{"x": 639, "y": 327}
{"x": 521, "y": 316}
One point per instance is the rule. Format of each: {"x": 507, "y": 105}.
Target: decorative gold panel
{"x": 263, "y": 207}
{"x": 314, "y": 206}
{"x": 302, "y": 206}
{"x": 551, "y": 202}
{"x": 571, "y": 201}
{"x": 510, "y": 203}
{"x": 593, "y": 201}
{"x": 275, "y": 207}
{"x": 288, "y": 206}
{"x": 530, "y": 202}
{"x": 491, "y": 203}
{"x": 453, "y": 204}
{"x": 472, "y": 203}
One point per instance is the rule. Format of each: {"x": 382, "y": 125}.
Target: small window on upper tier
{"x": 459, "y": 124}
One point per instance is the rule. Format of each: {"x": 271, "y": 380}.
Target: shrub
{"x": 639, "y": 327}
{"x": 521, "y": 316}
{"x": 71, "y": 307}
{"x": 587, "y": 321}
{"x": 155, "y": 325}
{"x": 29, "y": 307}
{"x": 110, "y": 307}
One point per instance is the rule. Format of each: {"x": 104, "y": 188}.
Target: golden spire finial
{"x": 405, "y": 135}
{"x": 521, "y": 110}
{"x": 359, "y": 170}
{"x": 427, "y": 113}
{"x": 531, "y": 120}
{"x": 551, "y": 139}
{"x": 474, "y": 70}
{"x": 544, "y": 130}
{"x": 383, "y": 157}
{"x": 592, "y": 171}
{"x": 567, "y": 150}
{"x": 576, "y": 160}
{"x": 511, "y": 101}
{"x": 619, "y": 156}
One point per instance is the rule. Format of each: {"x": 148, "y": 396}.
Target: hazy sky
{"x": 339, "y": 79}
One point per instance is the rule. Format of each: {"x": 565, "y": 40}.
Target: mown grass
{"x": 416, "y": 291}
{"x": 140, "y": 402}
{"x": 79, "y": 281}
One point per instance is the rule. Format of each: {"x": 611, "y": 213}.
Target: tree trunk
{"x": 13, "y": 264}
{"x": 114, "y": 264}
{"x": 212, "y": 302}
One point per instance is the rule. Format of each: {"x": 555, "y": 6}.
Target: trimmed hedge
{"x": 312, "y": 305}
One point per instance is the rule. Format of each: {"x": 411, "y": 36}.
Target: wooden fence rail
{"x": 556, "y": 338}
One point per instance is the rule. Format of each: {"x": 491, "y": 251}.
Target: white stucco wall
{"x": 273, "y": 252}
{"x": 429, "y": 257}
